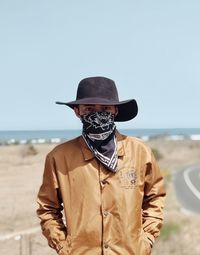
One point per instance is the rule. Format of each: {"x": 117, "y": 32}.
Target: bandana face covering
{"x": 99, "y": 135}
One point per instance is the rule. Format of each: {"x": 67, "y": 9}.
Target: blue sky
{"x": 150, "y": 48}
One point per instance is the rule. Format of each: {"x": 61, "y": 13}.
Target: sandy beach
{"x": 21, "y": 169}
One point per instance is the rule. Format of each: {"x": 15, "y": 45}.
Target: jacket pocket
{"x": 146, "y": 243}
{"x": 66, "y": 249}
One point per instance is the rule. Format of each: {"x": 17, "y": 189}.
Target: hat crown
{"x": 97, "y": 87}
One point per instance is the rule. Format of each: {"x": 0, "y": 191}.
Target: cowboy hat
{"x": 103, "y": 91}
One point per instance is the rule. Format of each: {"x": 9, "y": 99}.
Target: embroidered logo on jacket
{"x": 128, "y": 178}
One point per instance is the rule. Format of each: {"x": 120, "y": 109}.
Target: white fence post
{"x": 25, "y": 245}
{"x": 24, "y": 239}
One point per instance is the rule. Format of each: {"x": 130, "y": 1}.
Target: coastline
{"x": 58, "y": 136}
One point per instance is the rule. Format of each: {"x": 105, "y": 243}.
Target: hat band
{"x": 95, "y": 100}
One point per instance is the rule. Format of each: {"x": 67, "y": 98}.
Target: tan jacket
{"x": 106, "y": 213}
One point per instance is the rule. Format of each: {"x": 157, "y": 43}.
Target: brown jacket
{"x": 106, "y": 213}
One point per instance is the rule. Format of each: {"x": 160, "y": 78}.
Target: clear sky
{"x": 150, "y": 48}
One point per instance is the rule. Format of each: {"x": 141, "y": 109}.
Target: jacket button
{"x": 103, "y": 182}
{"x": 105, "y": 213}
{"x": 106, "y": 246}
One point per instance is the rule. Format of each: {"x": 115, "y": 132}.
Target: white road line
{"x": 189, "y": 183}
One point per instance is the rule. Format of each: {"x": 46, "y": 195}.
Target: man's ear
{"x": 116, "y": 110}
{"x": 76, "y": 110}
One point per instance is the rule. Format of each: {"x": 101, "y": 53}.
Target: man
{"x": 109, "y": 184}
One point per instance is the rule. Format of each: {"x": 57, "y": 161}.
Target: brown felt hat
{"x": 103, "y": 91}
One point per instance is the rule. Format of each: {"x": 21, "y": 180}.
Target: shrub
{"x": 166, "y": 174}
{"x": 157, "y": 154}
{"x": 29, "y": 150}
{"x": 168, "y": 230}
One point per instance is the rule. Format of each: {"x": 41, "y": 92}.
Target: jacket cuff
{"x": 59, "y": 246}
{"x": 151, "y": 238}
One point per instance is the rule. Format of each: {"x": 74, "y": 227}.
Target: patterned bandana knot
{"x": 99, "y": 135}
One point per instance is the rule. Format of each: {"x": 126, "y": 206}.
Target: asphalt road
{"x": 187, "y": 186}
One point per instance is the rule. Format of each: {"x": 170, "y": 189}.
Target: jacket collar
{"x": 87, "y": 153}
{"x": 120, "y": 144}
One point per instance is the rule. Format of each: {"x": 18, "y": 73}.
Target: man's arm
{"x": 153, "y": 203}
{"x": 50, "y": 207}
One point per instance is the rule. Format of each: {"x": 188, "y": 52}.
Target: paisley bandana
{"x": 99, "y": 135}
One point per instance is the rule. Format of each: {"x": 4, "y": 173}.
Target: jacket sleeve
{"x": 50, "y": 207}
{"x": 153, "y": 202}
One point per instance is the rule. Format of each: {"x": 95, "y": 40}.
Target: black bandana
{"x": 99, "y": 135}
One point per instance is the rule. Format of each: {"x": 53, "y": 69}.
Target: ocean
{"x": 55, "y": 136}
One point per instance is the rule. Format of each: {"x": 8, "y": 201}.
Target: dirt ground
{"x": 20, "y": 178}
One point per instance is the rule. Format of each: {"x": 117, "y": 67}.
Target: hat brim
{"x": 127, "y": 109}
